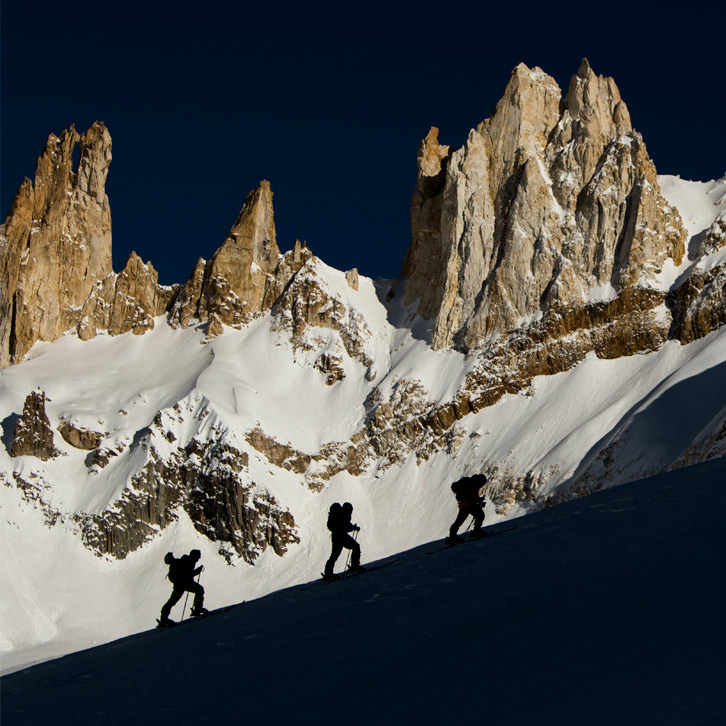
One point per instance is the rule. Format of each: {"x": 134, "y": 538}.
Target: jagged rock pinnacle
{"x": 545, "y": 201}
{"x": 233, "y": 285}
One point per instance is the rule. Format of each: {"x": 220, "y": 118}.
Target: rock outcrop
{"x": 551, "y": 204}
{"x": 55, "y": 246}
{"x": 208, "y": 481}
{"x": 125, "y": 302}
{"x": 207, "y": 478}
{"x": 78, "y": 437}
{"x": 306, "y": 304}
{"x": 33, "y": 434}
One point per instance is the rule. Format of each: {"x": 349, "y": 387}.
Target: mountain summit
{"x": 551, "y": 204}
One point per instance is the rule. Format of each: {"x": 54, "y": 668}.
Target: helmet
{"x": 348, "y": 507}
{"x": 169, "y": 558}
{"x": 195, "y": 554}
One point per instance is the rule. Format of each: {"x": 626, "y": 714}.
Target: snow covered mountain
{"x": 602, "y": 610}
{"x": 558, "y": 326}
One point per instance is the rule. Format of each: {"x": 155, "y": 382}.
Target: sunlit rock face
{"x": 552, "y": 204}
{"x": 233, "y": 286}
{"x": 56, "y": 272}
{"x": 55, "y": 245}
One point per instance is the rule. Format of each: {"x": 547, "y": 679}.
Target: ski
{"x": 191, "y": 618}
{"x": 471, "y": 538}
{"x": 174, "y": 623}
{"x": 355, "y": 573}
{"x": 346, "y": 575}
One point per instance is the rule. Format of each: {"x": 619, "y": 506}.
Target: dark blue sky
{"x": 327, "y": 102}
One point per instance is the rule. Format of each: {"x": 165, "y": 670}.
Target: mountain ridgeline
{"x": 543, "y": 241}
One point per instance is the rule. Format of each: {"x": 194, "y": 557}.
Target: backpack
{"x": 174, "y": 567}
{"x": 335, "y": 515}
{"x": 461, "y": 486}
{"x": 469, "y": 486}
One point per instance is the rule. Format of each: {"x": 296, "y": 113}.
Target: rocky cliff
{"x": 544, "y": 241}
{"x": 244, "y": 276}
{"x": 552, "y": 205}
{"x": 55, "y": 254}
{"x": 55, "y": 259}
{"x": 546, "y": 238}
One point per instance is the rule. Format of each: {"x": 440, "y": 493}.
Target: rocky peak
{"x": 128, "y": 301}
{"x": 254, "y": 228}
{"x": 593, "y": 102}
{"x": 245, "y": 275}
{"x": 594, "y": 115}
{"x": 522, "y": 121}
{"x": 55, "y": 174}
{"x": 55, "y": 246}
{"x": 236, "y": 276}
{"x": 547, "y": 200}
{"x": 94, "y": 162}
{"x": 424, "y": 259}
{"x": 432, "y": 155}
{"x": 56, "y": 270}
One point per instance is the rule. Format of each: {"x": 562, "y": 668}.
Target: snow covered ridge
{"x": 227, "y": 413}
{"x": 701, "y": 204}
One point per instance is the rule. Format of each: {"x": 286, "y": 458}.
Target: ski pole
{"x": 186, "y": 598}
{"x": 347, "y": 559}
{"x": 185, "y": 606}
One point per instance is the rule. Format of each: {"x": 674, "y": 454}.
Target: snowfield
{"x": 700, "y": 204}
{"x": 605, "y": 420}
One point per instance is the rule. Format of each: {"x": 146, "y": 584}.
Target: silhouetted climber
{"x": 182, "y": 572}
{"x": 339, "y": 524}
{"x": 470, "y": 503}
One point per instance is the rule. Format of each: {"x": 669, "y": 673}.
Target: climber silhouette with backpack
{"x": 340, "y": 525}
{"x": 182, "y": 572}
{"x": 470, "y": 503}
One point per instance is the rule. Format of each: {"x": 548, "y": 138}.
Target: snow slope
{"x": 700, "y": 204}
{"x": 605, "y": 421}
{"x": 72, "y": 599}
{"x": 604, "y": 610}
